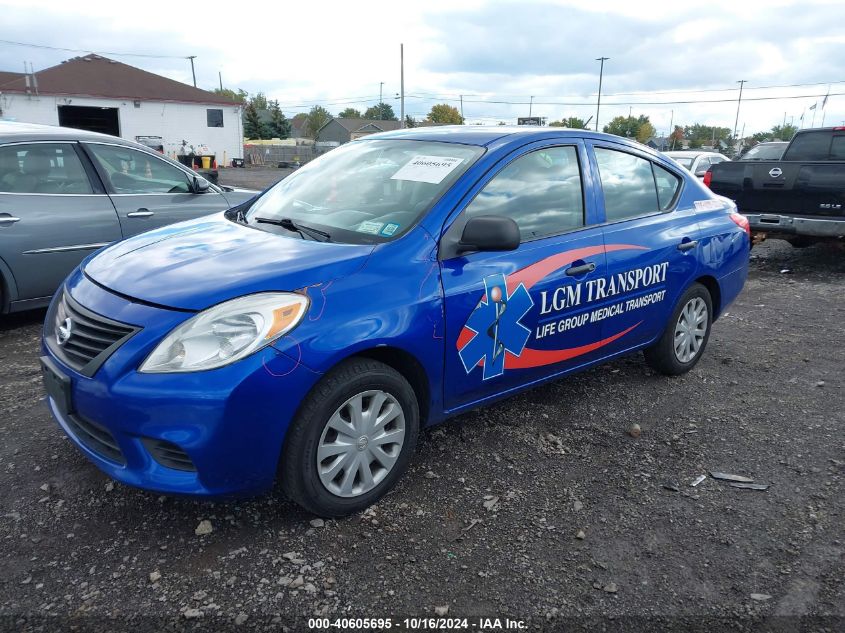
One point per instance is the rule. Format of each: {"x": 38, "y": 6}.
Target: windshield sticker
{"x": 708, "y": 205}
{"x": 389, "y": 229}
{"x": 369, "y": 226}
{"x": 430, "y": 169}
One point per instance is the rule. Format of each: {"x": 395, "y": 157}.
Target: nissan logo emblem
{"x": 775, "y": 172}
{"x": 64, "y": 331}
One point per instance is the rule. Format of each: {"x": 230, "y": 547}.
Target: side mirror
{"x": 701, "y": 172}
{"x": 489, "y": 233}
{"x": 200, "y": 185}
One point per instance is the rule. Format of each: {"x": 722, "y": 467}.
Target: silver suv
{"x": 65, "y": 193}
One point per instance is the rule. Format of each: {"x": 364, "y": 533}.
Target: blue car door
{"x": 516, "y": 317}
{"x": 651, "y": 241}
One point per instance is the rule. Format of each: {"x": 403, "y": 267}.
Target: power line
{"x": 80, "y": 50}
{"x": 633, "y": 103}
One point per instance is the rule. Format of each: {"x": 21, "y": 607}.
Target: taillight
{"x": 708, "y": 176}
{"x": 742, "y": 222}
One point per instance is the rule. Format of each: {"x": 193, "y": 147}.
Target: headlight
{"x": 227, "y": 332}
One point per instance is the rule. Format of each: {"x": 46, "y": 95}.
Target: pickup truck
{"x": 800, "y": 198}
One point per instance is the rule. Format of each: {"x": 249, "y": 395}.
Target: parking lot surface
{"x": 542, "y": 507}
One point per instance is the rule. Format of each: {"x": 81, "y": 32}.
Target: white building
{"x": 102, "y": 95}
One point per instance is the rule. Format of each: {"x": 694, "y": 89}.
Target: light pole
{"x": 380, "y": 87}
{"x": 741, "y": 83}
{"x": 530, "y": 106}
{"x": 598, "y": 101}
{"x": 402, "y": 85}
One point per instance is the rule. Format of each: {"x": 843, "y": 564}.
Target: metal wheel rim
{"x": 361, "y": 443}
{"x": 690, "y": 330}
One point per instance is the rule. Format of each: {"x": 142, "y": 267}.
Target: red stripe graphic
{"x": 539, "y": 357}
{"x": 530, "y": 275}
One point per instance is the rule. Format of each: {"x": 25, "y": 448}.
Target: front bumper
{"x": 796, "y": 225}
{"x": 229, "y": 423}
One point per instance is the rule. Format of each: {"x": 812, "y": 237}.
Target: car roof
{"x": 483, "y": 135}
{"x": 14, "y": 131}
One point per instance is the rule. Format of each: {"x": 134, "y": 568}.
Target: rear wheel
{"x": 351, "y": 440}
{"x": 686, "y": 335}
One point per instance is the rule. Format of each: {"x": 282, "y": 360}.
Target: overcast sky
{"x": 336, "y": 54}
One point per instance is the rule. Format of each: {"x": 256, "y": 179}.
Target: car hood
{"x": 196, "y": 264}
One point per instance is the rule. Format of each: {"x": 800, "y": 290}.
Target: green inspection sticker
{"x": 389, "y": 229}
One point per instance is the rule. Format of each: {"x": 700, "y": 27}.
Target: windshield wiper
{"x": 302, "y": 229}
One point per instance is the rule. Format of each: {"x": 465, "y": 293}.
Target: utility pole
{"x": 672, "y": 127}
{"x": 530, "y": 105}
{"x": 380, "y": 87}
{"x": 402, "y": 86}
{"x": 193, "y": 73}
{"x": 220, "y": 75}
{"x": 784, "y": 121}
{"x": 462, "y": 107}
{"x": 741, "y": 83}
{"x": 598, "y": 101}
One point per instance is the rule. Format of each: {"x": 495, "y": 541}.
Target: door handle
{"x": 140, "y": 213}
{"x": 581, "y": 270}
{"x": 687, "y": 246}
{"x": 7, "y": 220}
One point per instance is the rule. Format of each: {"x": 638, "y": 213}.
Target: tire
{"x": 356, "y": 385}
{"x": 662, "y": 356}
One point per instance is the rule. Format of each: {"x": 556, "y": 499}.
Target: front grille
{"x": 169, "y": 455}
{"x": 96, "y": 438}
{"x": 84, "y": 339}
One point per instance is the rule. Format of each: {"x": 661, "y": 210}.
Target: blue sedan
{"x": 310, "y": 333}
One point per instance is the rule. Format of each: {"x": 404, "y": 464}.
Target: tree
{"x": 444, "y": 113}
{"x": 259, "y": 100}
{"x": 381, "y": 111}
{"x": 239, "y": 97}
{"x": 629, "y": 126}
{"x": 317, "y": 118}
{"x": 783, "y": 132}
{"x": 279, "y": 125}
{"x": 410, "y": 121}
{"x": 350, "y": 113}
{"x": 698, "y": 135}
{"x": 645, "y": 131}
{"x": 254, "y": 127}
{"x": 675, "y": 137}
{"x": 572, "y": 122}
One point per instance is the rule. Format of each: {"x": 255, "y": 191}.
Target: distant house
{"x": 340, "y": 131}
{"x": 95, "y": 93}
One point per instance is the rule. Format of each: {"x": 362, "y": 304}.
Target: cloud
{"x": 488, "y": 51}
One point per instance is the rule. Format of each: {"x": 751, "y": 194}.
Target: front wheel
{"x": 686, "y": 335}
{"x": 351, "y": 440}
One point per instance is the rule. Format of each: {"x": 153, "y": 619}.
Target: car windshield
{"x": 766, "y": 151}
{"x": 363, "y": 192}
{"x": 683, "y": 161}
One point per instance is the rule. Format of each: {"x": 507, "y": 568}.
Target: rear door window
{"x": 627, "y": 183}
{"x": 52, "y": 168}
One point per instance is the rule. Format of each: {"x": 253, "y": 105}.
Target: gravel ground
{"x": 258, "y": 178}
{"x": 542, "y": 508}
